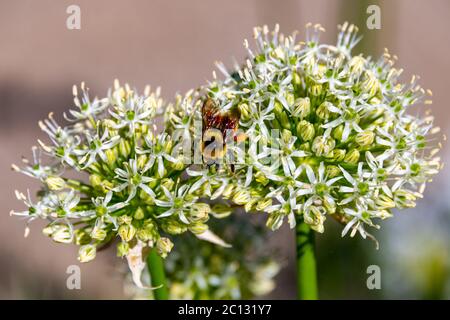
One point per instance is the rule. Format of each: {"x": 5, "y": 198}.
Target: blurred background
{"x": 174, "y": 44}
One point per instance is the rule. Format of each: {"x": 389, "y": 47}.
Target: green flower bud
{"x": 315, "y": 90}
{"x": 81, "y": 237}
{"x": 111, "y": 157}
{"x": 178, "y": 164}
{"x": 87, "y": 253}
{"x": 261, "y": 178}
{"x": 98, "y": 234}
{"x": 200, "y": 211}
{"x": 198, "y": 227}
{"x": 365, "y": 138}
{"x": 323, "y": 111}
{"x": 356, "y": 66}
{"x": 221, "y": 210}
{"x": 249, "y": 205}
{"x": 305, "y": 146}
{"x": 241, "y": 197}
{"x": 323, "y": 145}
{"x": 315, "y": 219}
{"x": 384, "y": 202}
{"x": 264, "y": 203}
{"x": 290, "y": 98}
{"x": 403, "y": 199}
{"x": 332, "y": 171}
{"x": 145, "y": 234}
{"x": 244, "y": 110}
{"x": 96, "y": 181}
{"x": 337, "y": 132}
{"x": 122, "y": 249}
{"x": 352, "y": 156}
{"x": 141, "y": 161}
{"x": 124, "y": 219}
{"x": 55, "y": 183}
{"x": 126, "y": 232}
{"x": 228, "y": 191}
{"x": 164, "y": 246}
{"x": 124, "y": 148}
{"x": 283, "y": 119}
{"x": 62, "y": 234}
{"x": 338, "y": 155}
{"x": 302, "y": 108}
{"x": 274, "y": 220}
{"x": 168, "y": 183}
{"x": 296, "y": 79}
{"x": 286, "y": 136}
{"x": 305, "y": 130}
{"x": 173, "y": 227}
{"x": 139, "y": 214}
{"x": 370, "y": 83}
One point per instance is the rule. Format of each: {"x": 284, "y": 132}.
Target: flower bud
{"x": 139, "y": 214}
{"x": 338, "y": 155}
{"x": 164, "y": 246}
{"x": 55, "y": 183}
{"x": 274, "y": 220}
{"x": 352, "y": 156}
{"x": 261, "y": 178}
{"x": 141, "y": 161}
{"x": 244, "y": 110}
{"x": 124, "y": 148}
{"x": 315, "y": 90}
{"x": 81, "y": 237}
{"x": 199, "y": 211}
{"x": 370, "y": 83}
{"x": 323, "y": 145}
{"x": 302, "y": 108}
{"x": 96, "y": 181}
{"x": 62, "y": 234}
{"x": 228, "y": 191}
{"x": 173, "y": 227}
{"x": 356, "y": 66}
{"x": 286, "y": 136}
{"x": 221, "y": 210}
{"x": 249, "y": 205}
{"x": 124, "y": 219}
{"x": 111, "y": 157}
{"x": 305, "y": 130}
{"x": 365, "y": 138}
{"x": 178, "y": 164}
{"x": 337, "y": 132}
{"x": 332, "y": 171}
{"x": 198, "y": 227}
{"x": 315, "y": 219}
{"x": 323, "y": 111}
{"x": 241, "y": 197}
{"x": 296, "y": 79}
{"x": 264, "y": 203}
{"x": 87, "y": 253}
{"x": 384, "y": 202}
{"x": 167, "y": 183}
{"x": 126, "y": 232}
{"x": 122, "y": 249}
{"x": 98, "y": 233}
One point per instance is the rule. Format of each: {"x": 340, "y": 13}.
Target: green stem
{"x": 306, "y": 262}
{"x": 156, "y": 268}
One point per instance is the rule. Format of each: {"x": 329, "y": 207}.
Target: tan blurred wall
{"x": 172, "y": 44}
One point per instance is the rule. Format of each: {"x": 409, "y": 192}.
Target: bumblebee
{"x": 218, "y": 128}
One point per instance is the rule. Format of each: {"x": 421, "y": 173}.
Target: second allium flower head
{"x": 321, "y": 133}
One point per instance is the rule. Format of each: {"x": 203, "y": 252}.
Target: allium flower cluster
{"x": 201, "y": 270}
{"x": 130, "y": 185}
{"x": 327, "y": 133}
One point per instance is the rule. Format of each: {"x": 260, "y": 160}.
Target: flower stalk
{"x": 155, "y": 266}
{"x": 306, "y": 262}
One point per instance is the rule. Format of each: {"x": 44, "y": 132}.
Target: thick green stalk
{"x": 306, "y": 262}
{"x": 156, "y": 268}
